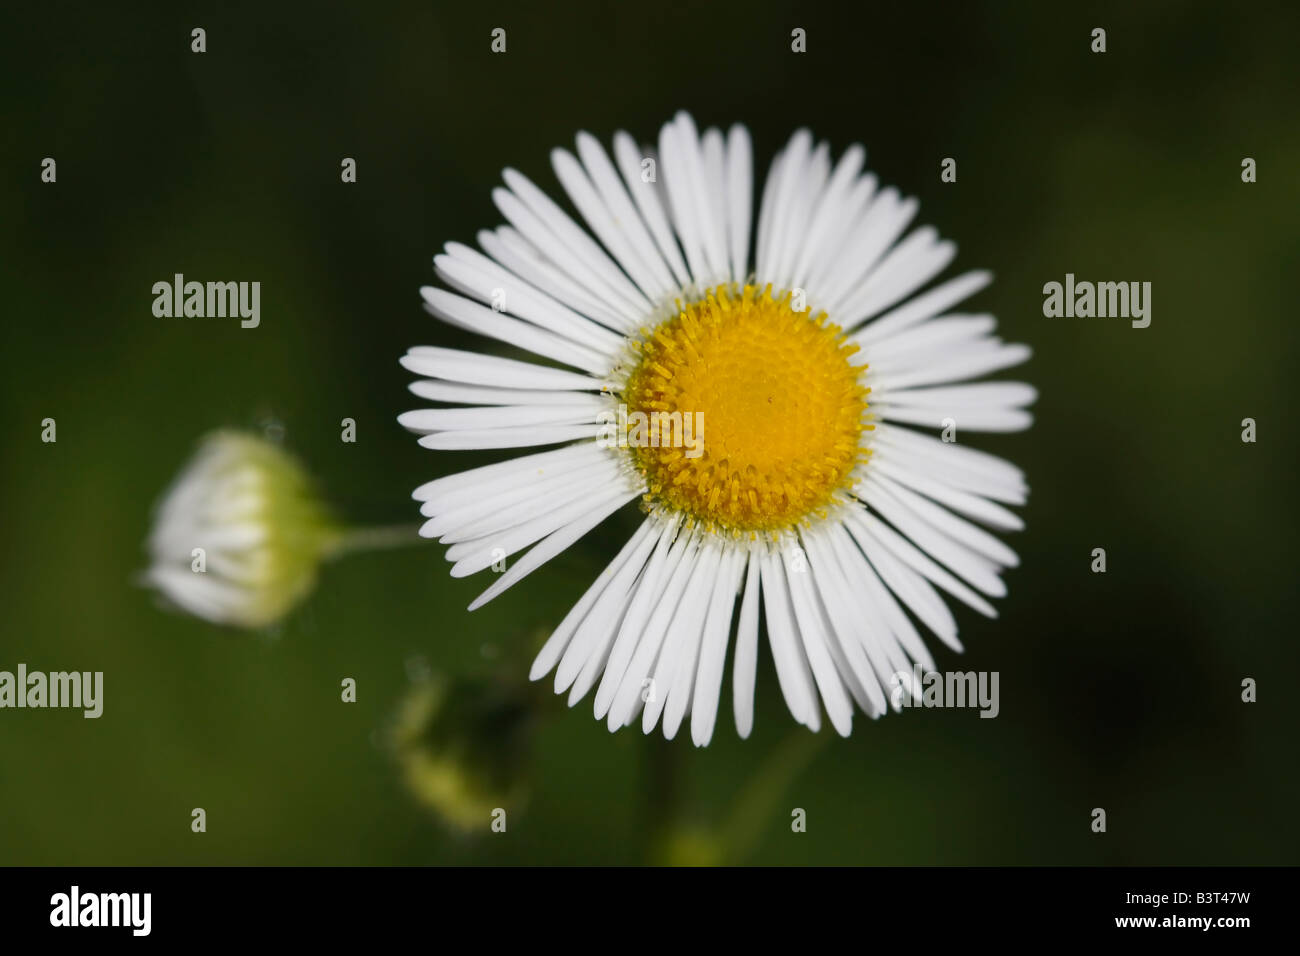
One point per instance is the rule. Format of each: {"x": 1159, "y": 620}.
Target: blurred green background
{"x": 1119, "y": 690}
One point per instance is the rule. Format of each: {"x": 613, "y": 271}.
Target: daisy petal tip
{"x": 408, "y": 419}
{"x": 463, "y": 569}
{"x": 563, "y": 681}
{"x": 539, "y": 670}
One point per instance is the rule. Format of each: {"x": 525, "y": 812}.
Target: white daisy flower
{"x": 815, "y": 501}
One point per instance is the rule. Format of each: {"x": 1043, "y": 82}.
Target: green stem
{"x": 753, "y": 809}
{"x": 661, "y": 788}
{"x": 379, "y": 538}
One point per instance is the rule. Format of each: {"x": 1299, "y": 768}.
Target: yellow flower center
{"x": 759, "y": 412}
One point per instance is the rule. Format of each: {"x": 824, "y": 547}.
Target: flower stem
{"x": 378, "y": 538}
{"x": 754, "y": 806}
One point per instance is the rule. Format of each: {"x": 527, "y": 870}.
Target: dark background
{"x": 1119, "y": 690}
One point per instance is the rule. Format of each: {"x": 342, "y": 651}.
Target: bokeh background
{"x": 1119, "y": 690}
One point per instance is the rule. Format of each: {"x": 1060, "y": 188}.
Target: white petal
{"x": 971, "y": 505}
{"x": 973, "y": 537}
{"x": 681, "y": 638}
{"x": 792, "y": 233}
{"x": 886, "y": 218}
{"x": 553, "y": 544}
{"x": 560, "y": 637}
{"x": 509, "y": 247}
{"x": 469, "y": 271}
{"x": 579, "y": 268}
{"x": 975, "y": 568}
{"x": 713, "y": 650}
{"x": 974, "y": 419}
{"x": 923, "y": 307}
{"x": 955, "y": 397}
{"x": 619, "y": 290}
{"x": 707, "y": 211}
{"x": 912, "y": 589}
{"x": 914, "y": 559}
{"x": 745, "y": 663}
{"x": 636, "y": 680}
{"x": 873, "y": 595}
{"x": 458, "y": 394}
{"x": 848, "y": 626}
{"x": 483, "y": 552}
{"x": 833, "y": 266}
{"x": 766, "y": 212}
{"x": 686, "y": 213}
{"x": 933, "y": 337}
{"x": 592, "y": 638}
{"x": 476, "y": 368}
{"x": 792, "y": 671}
{"x": 559, "y": 490}
{"x": 713, "y": 172}
{"x": 495, "y": 416}
{"x": 811, "y": 625}
{"x": 606, "y": 180}
{"x": 605, "y": 223}
{"x": 778, "y": 199}
{"x": 646, "y": 196}
{"x": 463, "y": 313}
{"x": 465, "y": 486}
{"x": 509, "y": 437}
{"x": 829, "y": 217}
{"x": 740, "y": 188}
{"x": 908, "y": 266}
{"x": 955, "y": 462}
{"x": 454, "y": 514}
{"x": 647, "y": 594}
{"x": 675, "y": 670}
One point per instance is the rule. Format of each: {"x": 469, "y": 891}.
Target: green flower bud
{"x": 464, "y": 747}
{"x": 239, "y": 537}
